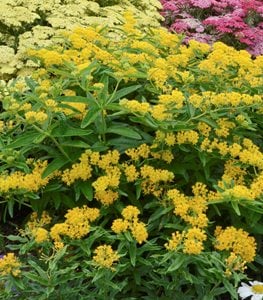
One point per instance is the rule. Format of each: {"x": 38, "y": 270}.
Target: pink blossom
{"x": 237, "y": 22}
{"x": 201, "y": 3}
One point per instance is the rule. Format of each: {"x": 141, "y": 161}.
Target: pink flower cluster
{"x": 238, "y": 23}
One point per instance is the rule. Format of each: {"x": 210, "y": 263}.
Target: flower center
{"x": 257, "y": 288}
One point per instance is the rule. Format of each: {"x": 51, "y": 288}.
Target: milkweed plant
{"x": 140, "y": 159}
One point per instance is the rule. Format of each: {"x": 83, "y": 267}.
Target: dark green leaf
{"x": 124, "y": 131}
{"x": 65, "y": 130}
{"x": 24, "y": 139}
{"x": 55, "y": 165}
{"x": 86, "y": 189}
{"x": 123, "y": 92}
{"x": 132, "y": 252}
{"x": 90, "y": 117}
{"x": 75, "y": 144}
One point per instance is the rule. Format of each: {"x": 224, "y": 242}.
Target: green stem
{"x": 53, "y": 139}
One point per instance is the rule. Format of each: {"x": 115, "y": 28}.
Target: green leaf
{"x": 234, "y": 204}
{"x": 98, "y": 275}
{"x": 36, "y": 278}
{"x": 57, "y": 199}
{"x": 86, "y": 189}
{"x": 209, "y": 122}
{"x": 69, "y": 203}
{"x": 16, "y": 238}
{"x": 24, "y": 139}
{"x": 30, "y": 83}
{"x": 90, "y": 116}
{"x": 133, "y": 252}
{"x": 10, "y": 206}
{"x": 123, "y": 92}
{"x": 176, "y": 264}
{"x": 75, "y": 144}
{"x": 159, "y": 212}
{"x": 56, "y": 164}
{"x": 39, "y": 270}
{"x": 124, "y": 131}
{"x": 65, "y": 130}
{"x": 230, "y": 288}
{"x": 78, "y": 99}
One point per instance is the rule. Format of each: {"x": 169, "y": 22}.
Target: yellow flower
{"x": 105, "y": 256}
{"x": 143, "y": 151}
{"x": 76, "y": 225}
{"x": 139, "y": 231}
{"x": 130, "y": 172}
{"x": 29, "y": 181}
{"x": 189, "y": 136}
{"x": 36, "y": 221}
{"x": 81, "y": 170}
{"x": 203, "y": 128}
{"x": 9, "y": 264}
{"x": 193, "y": 241}
{"x": 40, "y": 234}
{"x": 119, "y": 225}
{"x": 233, "y": 240}
{"x": 174, "y": 242}
{"x": 130, "y": 213}
{"x": 106, "y": 197}
{"x": 35, "y": 117}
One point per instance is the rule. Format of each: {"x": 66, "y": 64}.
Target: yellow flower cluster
{"x": 224, "y": 126}
{"x": 222, "y": 58}
{"x": 105, "y": 256}
{"x": 191, "y": 241}
{"x": 233, "y": 241}
{"x": 165, "y": 155}
{"x": 174, "y": 100}
{"x": 23, "y": 181}
{"x": 9, "y": 264}
{"x": 130, "y": 221}
{"x": 36, "y": 117}
{"x": 35, "y": 226}
{"x": 81, "y": 170}
{"x": 210, "y": 99}
{"x": 233, "y": 173}
{"x": 143, "y": 151}
{"x": 135, "y": 106}
{"x": 204, "y": 129}
{"x": 189, "y": 136}
{"x": 234, "y": 263}
{"x": 168, "y": 105}
{"x": 130, "y": 172}
{"x": 191, "y": 209}
{"x": 239, "y": 192}
{"x": 76, "y": 225}
{"x": 105, "y": 186}
{"x": 154, "y": 179}
{"x": 257, "y": 185}
{"x": 245, "y": 151}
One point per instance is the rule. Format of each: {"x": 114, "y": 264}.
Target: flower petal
{"x": 244, "y": 291}
{"x": 257, "y": 297}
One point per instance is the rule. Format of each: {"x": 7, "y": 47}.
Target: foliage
{"x": 235, "y": 22}
{"x": 153, "y": 152}
{"x": 36, "y": 23}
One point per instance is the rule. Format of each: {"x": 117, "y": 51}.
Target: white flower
{"x": 255, "y": 289}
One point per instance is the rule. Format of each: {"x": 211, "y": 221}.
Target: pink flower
{"x": 234, "y": 21}
{"x": 201, "y": 3}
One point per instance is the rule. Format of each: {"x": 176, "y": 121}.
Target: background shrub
{"x": 151, "y": 150}
{"x": 237, "y": 23}
{"x": 34, "y": 23}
